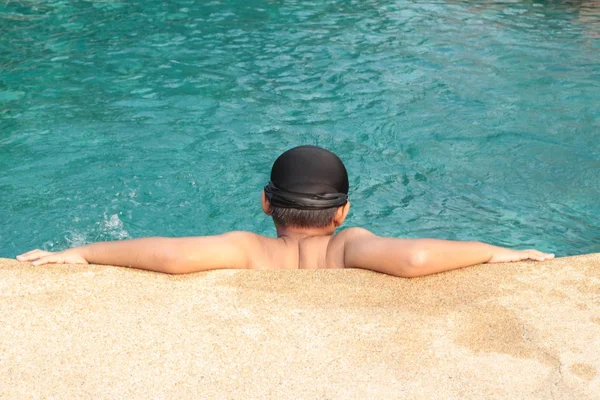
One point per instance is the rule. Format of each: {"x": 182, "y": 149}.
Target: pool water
{"x": 456, "y": 119}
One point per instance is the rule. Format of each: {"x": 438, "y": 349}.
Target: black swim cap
{"x": 308, "y": 178}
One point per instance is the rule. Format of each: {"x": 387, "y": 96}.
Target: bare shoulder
{"x": 241, "y": 236}
{"x": 351, "y": 234}
{"x": 260, "y": 251}
{"x": 249, "y": 241}
{"x": 340, "y": 242}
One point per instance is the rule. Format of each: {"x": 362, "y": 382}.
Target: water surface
{"x": 456, "y": 120}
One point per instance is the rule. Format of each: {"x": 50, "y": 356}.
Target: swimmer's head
{"x": 308, "y": 189}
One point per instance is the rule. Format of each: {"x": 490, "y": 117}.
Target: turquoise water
{"x": 456, "y": 120}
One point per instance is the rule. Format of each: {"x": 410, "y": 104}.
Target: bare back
{"x": 313, "y": 252}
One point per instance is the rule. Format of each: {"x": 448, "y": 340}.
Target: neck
{"x": 301, "y": 233}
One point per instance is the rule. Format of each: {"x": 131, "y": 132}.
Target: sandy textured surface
{"x": 509, "y": 331}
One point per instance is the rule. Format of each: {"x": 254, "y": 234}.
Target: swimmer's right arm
{"x": 419, "y": 257}
{"x": 168, "y": 255}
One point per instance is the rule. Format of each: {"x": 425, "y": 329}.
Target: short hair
{"x": 296, "y": 218}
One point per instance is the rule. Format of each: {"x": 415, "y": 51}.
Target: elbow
{"x": 172, "y": 270}
{"x": 170, "y": 262}
{"x": 415, "y": 264}
{"x": 169, "y": 267}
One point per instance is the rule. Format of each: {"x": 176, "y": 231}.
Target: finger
{"x": 539, "y": 256}
{"x": 547, "y": 256}
{"x": 535, "y": 255}
{"x": 28, "y": 253}
{"x": 33, "y": 255}
{"x": 53, "y": 258}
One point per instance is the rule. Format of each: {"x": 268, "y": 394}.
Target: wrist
{"x": 495, "y": 252}
{"x": 78, "y": 252}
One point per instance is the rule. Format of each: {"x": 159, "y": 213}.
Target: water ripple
{"x": 456, "y": 119}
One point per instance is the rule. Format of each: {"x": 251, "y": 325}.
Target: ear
{"x": 341, "y": 214}
{"x": 266, "y": 206}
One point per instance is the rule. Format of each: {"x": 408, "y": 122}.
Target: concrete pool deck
{"x": 522, "y": 330}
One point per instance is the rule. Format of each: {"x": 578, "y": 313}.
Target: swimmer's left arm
{"x": 419, "y": 257}
{"x": 168, "y": 255}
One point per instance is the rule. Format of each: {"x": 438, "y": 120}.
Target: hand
{"x": 507, "y": 255}
{"x": 40, "y": 257}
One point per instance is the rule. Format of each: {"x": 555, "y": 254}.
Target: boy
{"x": 308, "y": 199}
